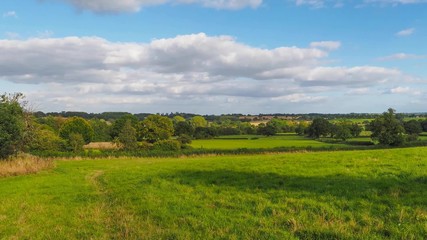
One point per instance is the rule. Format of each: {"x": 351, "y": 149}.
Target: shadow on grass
{"x": 402, "y": 186}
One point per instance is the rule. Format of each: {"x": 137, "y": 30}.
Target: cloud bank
{"x": 196, "y": 69}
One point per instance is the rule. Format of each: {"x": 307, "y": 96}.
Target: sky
{"x": 216, "y": 56}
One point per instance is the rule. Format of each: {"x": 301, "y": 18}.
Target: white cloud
{"x": 401, "y": 56}
{"x": 405, "y": 32}
{"x": 328, "y": 45}
{"x": 10, "y": 14}
{"x": 404, "y": 90}
{"x": 182, "y": 70}
{"x": 136, "y": 5}
{"x": 358, "y": 91}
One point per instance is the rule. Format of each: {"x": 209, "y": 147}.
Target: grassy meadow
{"x": 258, "y": 141}
{"x": 374, "y": 194}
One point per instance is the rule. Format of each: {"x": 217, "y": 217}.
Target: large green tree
{"x": 119, "y": 123}
{"x": 127, "y": 137}
{"x": 12, "y": 124}
{"x": 77, "y": 125}
{"x": 387, "y": 129}
{"x": 155, "y": 128}
{"x": 319, "y": 127}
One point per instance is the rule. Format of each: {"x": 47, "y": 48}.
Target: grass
{"x": 24, "y": 164}
{"x": 375, "y": 194}
{"x": 257, "y": 142}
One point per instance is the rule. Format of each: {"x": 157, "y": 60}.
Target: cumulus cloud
{"x": 405, "y": 32}
{"x": 136, "y": 5}
{"x": 180, "y": 70}
{"x": 401, "y": 56}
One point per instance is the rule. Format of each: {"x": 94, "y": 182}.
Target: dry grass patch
{"x": 24, "y": 164}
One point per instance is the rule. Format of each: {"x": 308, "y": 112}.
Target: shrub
{"x": 145, "y": 146}
{"x": 167, "y": 145}
{"x": 184, "y": 139}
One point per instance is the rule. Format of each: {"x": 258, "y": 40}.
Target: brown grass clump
{"x": 24, "y": 164}
{"x": 100, "y": 145}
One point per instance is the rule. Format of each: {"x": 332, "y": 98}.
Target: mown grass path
{"x": 378, "y": 194}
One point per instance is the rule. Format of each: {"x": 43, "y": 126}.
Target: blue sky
{"x": 219, "y": 56}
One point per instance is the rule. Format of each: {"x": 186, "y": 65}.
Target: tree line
{"x": 21, "y": 130}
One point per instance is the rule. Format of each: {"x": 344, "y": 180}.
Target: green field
{"x": 375, "y": 194}
{"x": 257, "y": 141}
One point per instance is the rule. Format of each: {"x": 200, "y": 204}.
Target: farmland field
{"x": 256, "y": 141}
{"x": 375, "y": 194}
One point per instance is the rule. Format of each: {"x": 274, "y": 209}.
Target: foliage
{"x": 119, "y": 123}
{"x": 302, "y": 128}
{"x": 205, "y": 132}
{"x": 101, "y": 129}
{"x": 355, "y": 129}
{"x": 319, "y": 127}
{"x": 413, "y": 127}
{"x": 54, "y": 123}
{"x": 387, "y": 129}
{"x": 184, "y": 139}
{"x": 167, "y": 145}
{"x": 183, "y": 127}
{"x": 199, "y": 121}
{"x": 12, "y": 125}
{"x": 177, "y": 119}
{"x": 342, "y": 132}
{"x": 127, "y": 137}
{"x": 45, "y": 139}
{"x": 266, "y": 129}
{"x": 77, "y": 125}
{"x": 155, "y": 128}
{"x": 76, "y": 142}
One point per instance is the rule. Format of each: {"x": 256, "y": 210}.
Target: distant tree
{"x": 387, "y": 129}
{"x": 199, "y": 121}
{"x": 413, "y": 127}
{"x": 101, "y": 129}
{"x": 127, "y": 137}
{"x": 12, "y": 125}
{"x": 205, "y": 132}
{"x": 76, "y": 142}
{"x": 266, "y": 129}
{"x": 76, "y": 125}
{"x": 301, "y": 128}
{"x": 319, "y": 127}
{"x": 181, "y": 128}
{"x": 45, "y": 139}
{"x": 155, "y": 128}
{"x": 119, "y": 123}
{"x": 177, "y": 119}
{"x": 355, "y": 129}
{"x": 342, "y": 132}
{"x": 184, "y": 139}
{"x": 424, "y": 125}
{"x": 54, "y": 122}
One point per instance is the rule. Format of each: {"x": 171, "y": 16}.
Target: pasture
{"x": 258, "y": 141}
{"x": 375, "y": 194}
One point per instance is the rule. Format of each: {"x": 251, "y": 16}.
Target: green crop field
{"x": 375, "y": 194}
{"x": 256, "y": 141}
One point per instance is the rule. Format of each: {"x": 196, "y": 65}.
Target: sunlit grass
{"x": 378, "y": 194}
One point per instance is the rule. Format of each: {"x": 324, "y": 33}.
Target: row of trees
{"x": 20, "y": 130}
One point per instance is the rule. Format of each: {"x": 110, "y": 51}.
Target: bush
{"x": 184, "y": 139}
{"x": 145, "y": 146}
{"x": 167, "y": 145}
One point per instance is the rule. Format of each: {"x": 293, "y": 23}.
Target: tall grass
{"x": 24, "y": 164}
